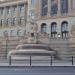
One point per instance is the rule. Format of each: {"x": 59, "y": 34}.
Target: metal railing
{"x": 30, "y": 60}
{"x": 6, "y": 49}
{"x": 50, "y": 61}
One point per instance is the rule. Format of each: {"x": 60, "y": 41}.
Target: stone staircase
{"x": 9, "y": 44}
{"x": 60, "y": 45}
{"x": 6, "y": 46}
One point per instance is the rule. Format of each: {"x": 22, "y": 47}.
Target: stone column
{"x": 39, "y": 8}
{"x": 26, "y": 12}
{"x": 49, "y": 8}
{"x": 69, "y": 7}
{"x": 17, "y": 15}
{"x": 59, "y": 8}
{"x": 11, "y": 15}
{"x": 4, "y": 17}
{"x": 73, "y": 7}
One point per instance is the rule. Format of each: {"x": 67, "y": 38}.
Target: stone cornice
{"x": 9, "y": 1}
{"x": 13, "y": 2}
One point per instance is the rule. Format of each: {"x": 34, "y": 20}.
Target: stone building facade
{"x": 13, "y": 16}
{"x": 56, "y": 23}
{"x": 47, "y": 21}
{"x": 59, "y": 13}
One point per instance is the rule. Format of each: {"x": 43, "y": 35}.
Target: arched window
{"x": 53, "y": 29}
{"x": 64, "y": 29}
{"x": 44, "y": 7}
{"x": 43, "y": 28}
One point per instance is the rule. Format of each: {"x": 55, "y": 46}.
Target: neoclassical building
{"x": 53, "y": 16}
{"x": 56, "y": 21}
{"x": 13, "y": 16}
{"x": 46, "y": 21}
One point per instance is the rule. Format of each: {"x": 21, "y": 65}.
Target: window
{"x": 21, "y": 20}
{"x": 21, "y": 8}
{"x": 1, "y": 22}
{"x": 54, "y": 7}
{"x": 44, "y": 7}
{"x": 64, "y": 6}
{"x": 32, "y": 14}
{"x": 2, "y": 11}
{"x": 32, "y": 34}
{"x": 53, "y": 30}
{"x": 5, "y": 33}
{"x": 8, "y": 21}
{"x": 33, "y": 2}
{"x": 43, "y": 28}
{"x": 14, "y": 21}
{"x": 12, "y": 32}
{"x": 8, "y": 10}
{"x": 19, "y": 33}
{"x": 14, "y": 9}
{"x": 64, "y": 29}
